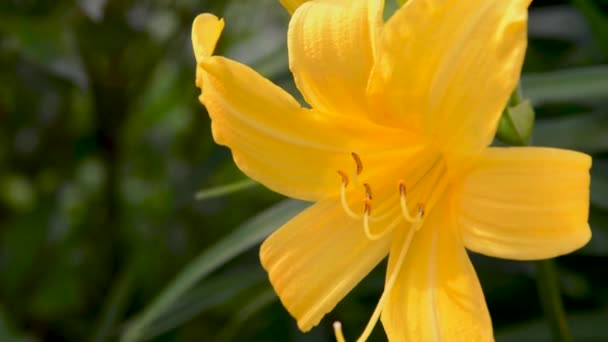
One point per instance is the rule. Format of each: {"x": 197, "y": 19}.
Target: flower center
{"x": 395, "y": 209}
{"x": 426, "y": 186}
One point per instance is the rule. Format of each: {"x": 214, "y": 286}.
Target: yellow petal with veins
{"x": 290, "y": 149}
{"x": 448, "y": 68}
{"x": 526, "y": 203}
{"x": 437, "y": 296}
{"x": 331, "y": 52}
{"x": 206, "y": 31}
{"x": 315, "y": 259}
{"x": 292, "y": 5}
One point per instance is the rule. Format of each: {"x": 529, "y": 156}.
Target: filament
{"x": 345, "y": 205}
{"x": 388, "y": 229}
{"x": 387, "y": 289}
{"x": 404, "y": 210}
{"x": 338, "y": 332}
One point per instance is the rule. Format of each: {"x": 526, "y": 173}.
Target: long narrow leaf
{"x": 567, "y": 85}
{"x": 240, "y": 240}
{"x": 225, "y": 189}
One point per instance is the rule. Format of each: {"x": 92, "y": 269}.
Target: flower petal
{"x": 206, "y": 31}
{"x": 437, "y": 296}
{"x": 317, "y": 258}
{"x": 292, "y": 5}
{"x": 448, "y": 67}
{"x": 290, "y": 149}
{"x": 331, "y": 52}
{"x": 526, "y": 203}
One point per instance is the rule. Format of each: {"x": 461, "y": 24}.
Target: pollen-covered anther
{"x": 420, "y": 210}
{"x": 404, "y": 209}
{"x": 344, "y": 178}
{"x": 358, "y": 163}
{"x": 338, "y": 332}
{"x": 368, "y": 191}
{"x": 367, "y": 202}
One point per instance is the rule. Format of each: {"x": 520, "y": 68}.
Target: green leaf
{"x": 209, "y": 293}
{"x": 585, "y": 327}
{"x": 597, "y": 21}
{"x": 247, "y": 235}
{"x": 567, "y": 85}
{"x": 516, "y": 124}
{"x": 253, "y": 306}
{"x": 7, "y": 333}
{"x": 225, "y": 189}
{"x": 583, "y": 132}
{"x": 599, "y": 184}
{"x": 115, "y": 305}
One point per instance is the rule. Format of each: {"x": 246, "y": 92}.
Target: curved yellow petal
{"x": 290, "y": 149}
{"x": 526, "y": 203}
{"x": 331, "y": 52}
{"x": 448, "y": 67}
{"x": 314, "y": 260}
{"x": 437, "y": 296}
{"x": 206, "y": 31}
{"x": 292, "y": 5}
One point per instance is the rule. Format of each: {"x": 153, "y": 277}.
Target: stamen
{"x": 420, "y": 215}
{"x": 345, "y": 205}
{"x": 373, "y": 237}
{"x": 338, "y": 332}
{"x": 405, "y": 211}
{"x": 387, "y": 289}
{"x": 368, "y": 191}
{"x": 357, "y": 162}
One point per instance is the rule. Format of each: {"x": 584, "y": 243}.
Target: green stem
{"x": 550, "y": 298}
{"x": 547, "y": 280}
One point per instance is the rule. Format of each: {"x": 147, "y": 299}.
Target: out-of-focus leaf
{"x": 240, "y": 240}
{"x": 94, "y": 9}
{"x": 516, "y": 123}
{"x": 599, "y": 183}
{"x": 209, "y": 293}
{"x": 584, "y": 132}
{"x": 567, "y": 85}
{"x": 225, "y": 189}
{"x": 546, "y": 22}
{"x": 584, "y": 327}
{"x": 17, "y": 192}
{"x": 597, "y": 21}
{"x": 7, "y": 334}
{"x": 47, "y": 42}
{"x": 249, "y": 309}
{"x": 115, "y": 304}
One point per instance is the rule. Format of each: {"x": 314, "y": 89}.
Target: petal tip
{"x": 206, "y": 31}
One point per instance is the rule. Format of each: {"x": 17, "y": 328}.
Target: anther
{"x": 338, "y": 332}
{"x": 357, "y": 162}
{"x": 344, "y": 178}
{"x": 420, "y": 210}
{"x": 404, "y": 209}
{"x": 368, "y": 191}
{"x": 402, "y": 188}
{"x": 368, "y": 206}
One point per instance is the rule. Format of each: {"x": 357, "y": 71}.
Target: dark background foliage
{"x": 103, "y": 146}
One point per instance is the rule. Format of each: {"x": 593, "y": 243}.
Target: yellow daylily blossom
{"x": 394, "y": 151}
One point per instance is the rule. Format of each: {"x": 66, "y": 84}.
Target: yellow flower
{"x": 394, "y": 152}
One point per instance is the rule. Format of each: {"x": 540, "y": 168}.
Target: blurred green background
{"x": 104, "y": 146}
